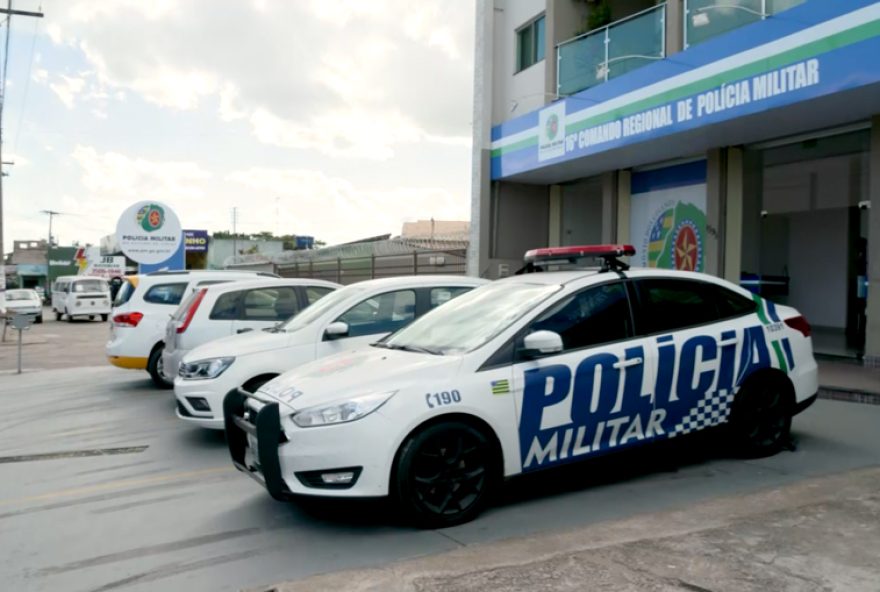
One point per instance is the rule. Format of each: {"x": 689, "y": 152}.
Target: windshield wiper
{"x": 410, "y": 348}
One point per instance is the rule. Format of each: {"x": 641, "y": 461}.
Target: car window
{"x": 124, "y": 293}
{"x": 670, "y": 304}
{"x": 730, "y": 304}
{"x": 83, "y": 286}
{"x": 315, "y": 293}
{"x": 384, "y": 313}
{"x": 270, "y": 304}
{"x": 443, "y": 295}
{"x": 226, "y": 307}
{"x": 165, "y": 294}
{"x": 596, "y": 315}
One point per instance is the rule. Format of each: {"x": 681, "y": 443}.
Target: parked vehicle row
{"x": 375, "y": 389}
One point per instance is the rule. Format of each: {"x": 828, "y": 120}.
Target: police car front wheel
{"x": 761, "y": 419}
{"x": 446, "y": 474}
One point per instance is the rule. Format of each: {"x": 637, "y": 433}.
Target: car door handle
{"x": 628, "y": 363}
{"x": 244, "y": 330}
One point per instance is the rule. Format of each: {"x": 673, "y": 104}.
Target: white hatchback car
{"x": 141, "y": 310}
{"x": 527, "y": 373}
{"x": 352, "y": 316}
{"x": 26, "y": 302}
{"x": 218, "y": 311}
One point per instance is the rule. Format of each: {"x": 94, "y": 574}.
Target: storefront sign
{"x": 668, "y": 217}
{"x": 762, "y": 67}
{"x": 149, "y": 232}
{"x": 105, "y": 267}
{"x": 196, "y": 241}
{"x": 176, "y": 261}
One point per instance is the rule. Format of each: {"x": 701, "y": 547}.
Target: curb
{"x": 834, "y": 393}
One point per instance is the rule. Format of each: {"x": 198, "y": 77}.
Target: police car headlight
{"x": 204, "y": 369}
{"x": 341, "y": 412}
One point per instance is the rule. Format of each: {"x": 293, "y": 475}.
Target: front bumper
{"x": 260, "y": 448}
{"x": 212, "y": 391}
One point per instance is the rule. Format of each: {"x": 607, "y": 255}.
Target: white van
{"x": 80, "y": 296}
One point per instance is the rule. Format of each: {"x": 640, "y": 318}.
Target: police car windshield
{"x": 316, "y": 310}
{"x": 472, "y": 319}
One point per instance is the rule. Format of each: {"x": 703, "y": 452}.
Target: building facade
{"x": 739, "y": 138}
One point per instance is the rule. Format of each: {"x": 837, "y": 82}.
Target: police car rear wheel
{"x": 446, "y": 474}
{"x": 762, "y": 418}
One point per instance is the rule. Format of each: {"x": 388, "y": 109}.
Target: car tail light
{"x": 800, "y": 324}
{"x": 128, "y": 319}
{"x": 191, "y": 311}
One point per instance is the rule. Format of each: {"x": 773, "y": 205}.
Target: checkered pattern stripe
{"x": 711, "y": 410}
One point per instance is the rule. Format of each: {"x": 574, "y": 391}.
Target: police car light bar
{"x": 537, "y": 258}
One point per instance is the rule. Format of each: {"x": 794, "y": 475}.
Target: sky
{"x": 339, "y": 119}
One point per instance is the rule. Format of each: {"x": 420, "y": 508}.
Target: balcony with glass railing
{"x": 610, "y": 51}
{"x": 705, "y": 19}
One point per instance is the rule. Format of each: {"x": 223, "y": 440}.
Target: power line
{"x": 9, "y": 12}
{"x": 27, "y": 84}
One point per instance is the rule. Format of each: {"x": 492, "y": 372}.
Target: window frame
{"x": 640, "y": 308}
{"x": 532, "y": 28}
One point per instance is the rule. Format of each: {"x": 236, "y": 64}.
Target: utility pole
{"x": 52, "y": 214}
{"x": 234, "y": 232}
{"x": 8, "y": 12}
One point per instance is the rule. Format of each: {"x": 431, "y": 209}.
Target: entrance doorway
{"x": 805, "y": 234}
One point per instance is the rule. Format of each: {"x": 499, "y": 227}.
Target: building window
{"x": 530, "y": 44}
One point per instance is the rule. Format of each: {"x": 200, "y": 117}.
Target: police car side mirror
{"x": 541, "y": 343}
{"x": 336, "y": 330}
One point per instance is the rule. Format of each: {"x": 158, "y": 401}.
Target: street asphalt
{"x": 102, "y": 488}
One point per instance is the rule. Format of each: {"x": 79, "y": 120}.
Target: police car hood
{"x": 242, "y": 344}
{"x": 357, "y": 372}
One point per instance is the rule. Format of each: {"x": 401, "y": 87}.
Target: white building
{"x": 736, "y": 137}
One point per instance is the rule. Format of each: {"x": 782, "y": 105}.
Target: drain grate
{"x": 72, "y": 454}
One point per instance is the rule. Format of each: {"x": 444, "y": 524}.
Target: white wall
{"x": 527, "y": 87}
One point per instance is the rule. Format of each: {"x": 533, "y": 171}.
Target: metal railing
{"x": 348, "y": 270}
{"x": 610, "y": 51}
{"x": 705, "y": 19}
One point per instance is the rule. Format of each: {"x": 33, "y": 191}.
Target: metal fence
{"x": 348, "y": 270}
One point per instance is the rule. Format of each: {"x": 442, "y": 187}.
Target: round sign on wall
{"x": 149, "y": 232}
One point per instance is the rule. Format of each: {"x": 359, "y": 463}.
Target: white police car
{"x": 523, "y": 374}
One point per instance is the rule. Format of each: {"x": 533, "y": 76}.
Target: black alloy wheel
{"x": 446, "y": 475}
{"x": 761, "y": 418}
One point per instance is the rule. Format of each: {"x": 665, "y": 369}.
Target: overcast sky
{"x": 343, "y": 117}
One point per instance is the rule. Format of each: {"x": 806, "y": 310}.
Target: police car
{"x": 524, "y": 374}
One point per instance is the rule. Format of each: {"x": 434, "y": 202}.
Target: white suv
{"x": 142, "y": 307}
{"x": 229, "y": 309}
{"x": 352, "y": 316}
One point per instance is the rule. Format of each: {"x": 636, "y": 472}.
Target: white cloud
{"x": 339, "y": 210}
{"x": 406, "y": 64}
{"x": 113, "y": 176}
{"x": 67, "y": 89}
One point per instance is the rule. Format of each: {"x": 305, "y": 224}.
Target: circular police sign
{"x": 149, "y": 232}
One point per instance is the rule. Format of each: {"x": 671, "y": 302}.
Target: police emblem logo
{"x": 151, "y": 217}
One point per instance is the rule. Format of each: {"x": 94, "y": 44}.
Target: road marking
{"x": 121, "y": 484}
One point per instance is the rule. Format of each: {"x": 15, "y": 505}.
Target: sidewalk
{"x": 848, "y": 381}
{"x": 819, "y": 534}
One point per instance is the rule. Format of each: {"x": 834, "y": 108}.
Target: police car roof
{"x": 566, "y": 277}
